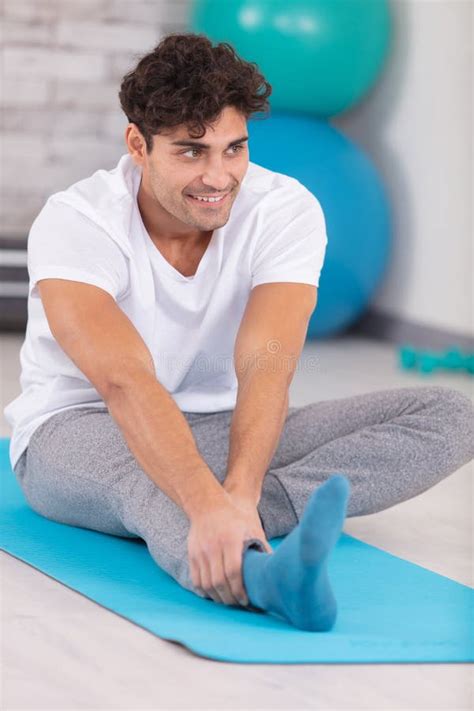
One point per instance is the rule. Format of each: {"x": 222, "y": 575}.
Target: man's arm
{"x": 99, "y": 338}
{"x": 269, "y": 342}
{"x": 96, "y": 334}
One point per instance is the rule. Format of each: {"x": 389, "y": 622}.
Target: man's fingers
{"x": 233, "y": 569}
{"x": 220, "y": 576}
{"x": 207, "y": 584}
{"x": 219, "y": 579}
{"x": 195, "y": 574}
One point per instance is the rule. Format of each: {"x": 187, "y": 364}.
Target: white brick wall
{"x": 35, "y": 10}
{"x": 62, "y": 63}
{"x": 106, "y": 37}
{"x": 53, "y": 63}
{"x": 25, "y": 93}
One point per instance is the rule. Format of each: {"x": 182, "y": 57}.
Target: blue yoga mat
{"x": 389, "y": 610}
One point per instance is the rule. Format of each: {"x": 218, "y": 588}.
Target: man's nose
{"x": 216, "y": 177}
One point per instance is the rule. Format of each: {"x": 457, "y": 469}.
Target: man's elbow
{"x": 126, "y": 373}
{"x": 269, "y": 365}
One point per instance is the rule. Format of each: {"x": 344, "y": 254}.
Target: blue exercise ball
{"x": 354, "y": 202}
{"x": 320, "y": 56}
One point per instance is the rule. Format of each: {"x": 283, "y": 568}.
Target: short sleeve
{"x": 65, "y": 244}
{"x": 293, "y": 240}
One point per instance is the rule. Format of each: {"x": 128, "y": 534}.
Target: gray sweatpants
{"x": 391, "y": 444}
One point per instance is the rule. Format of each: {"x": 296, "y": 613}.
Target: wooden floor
{"x": 59, "y": 650}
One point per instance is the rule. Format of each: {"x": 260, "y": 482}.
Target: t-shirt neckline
{"x": 159, "y": 258}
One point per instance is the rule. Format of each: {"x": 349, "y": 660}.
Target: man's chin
{"x": 212, "y": 223}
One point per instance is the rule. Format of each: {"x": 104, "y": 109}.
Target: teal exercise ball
{"x": 320, "y": 56}
{"x": 355, "y": 205}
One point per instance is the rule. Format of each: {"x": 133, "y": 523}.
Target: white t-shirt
{"x": 93, "y": 232}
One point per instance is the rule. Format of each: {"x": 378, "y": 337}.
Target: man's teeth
{"x": 208, "y": 199}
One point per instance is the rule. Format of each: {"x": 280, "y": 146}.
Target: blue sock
{"x": 293, "y": 581}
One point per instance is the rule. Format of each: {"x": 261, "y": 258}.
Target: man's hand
{"x": 215, "y": 545}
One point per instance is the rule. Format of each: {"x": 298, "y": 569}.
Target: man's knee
{"x": 454, "y": 414}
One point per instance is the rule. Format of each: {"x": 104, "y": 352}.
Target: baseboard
{"x": 384, "y": 327}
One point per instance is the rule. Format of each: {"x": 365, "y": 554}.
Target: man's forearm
{"x": 256, "y": 426}
{"x": 161, "y": 440}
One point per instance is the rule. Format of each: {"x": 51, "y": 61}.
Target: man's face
{"x": 181, "y": 168}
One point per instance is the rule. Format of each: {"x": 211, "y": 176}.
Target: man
{"x": 169, "y": 303}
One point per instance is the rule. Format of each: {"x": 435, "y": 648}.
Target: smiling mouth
{"x": 209, "y": 203}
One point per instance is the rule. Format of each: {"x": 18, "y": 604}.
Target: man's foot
{"x": 293, "y": 581}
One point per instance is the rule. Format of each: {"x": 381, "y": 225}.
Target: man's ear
{"x": 136, "y": 144}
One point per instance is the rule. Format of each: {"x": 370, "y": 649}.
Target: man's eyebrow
{"x": 199, "y": 144}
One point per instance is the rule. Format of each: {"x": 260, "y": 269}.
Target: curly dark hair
{"x": 187, "y": 80}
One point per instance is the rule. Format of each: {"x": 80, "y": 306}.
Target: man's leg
{"x": 390, "y": 444}
{"x": 78, "y": 470}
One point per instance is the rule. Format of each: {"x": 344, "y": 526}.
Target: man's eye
{"x": 191, "y": 150}
{"x": 239, "y": 147}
